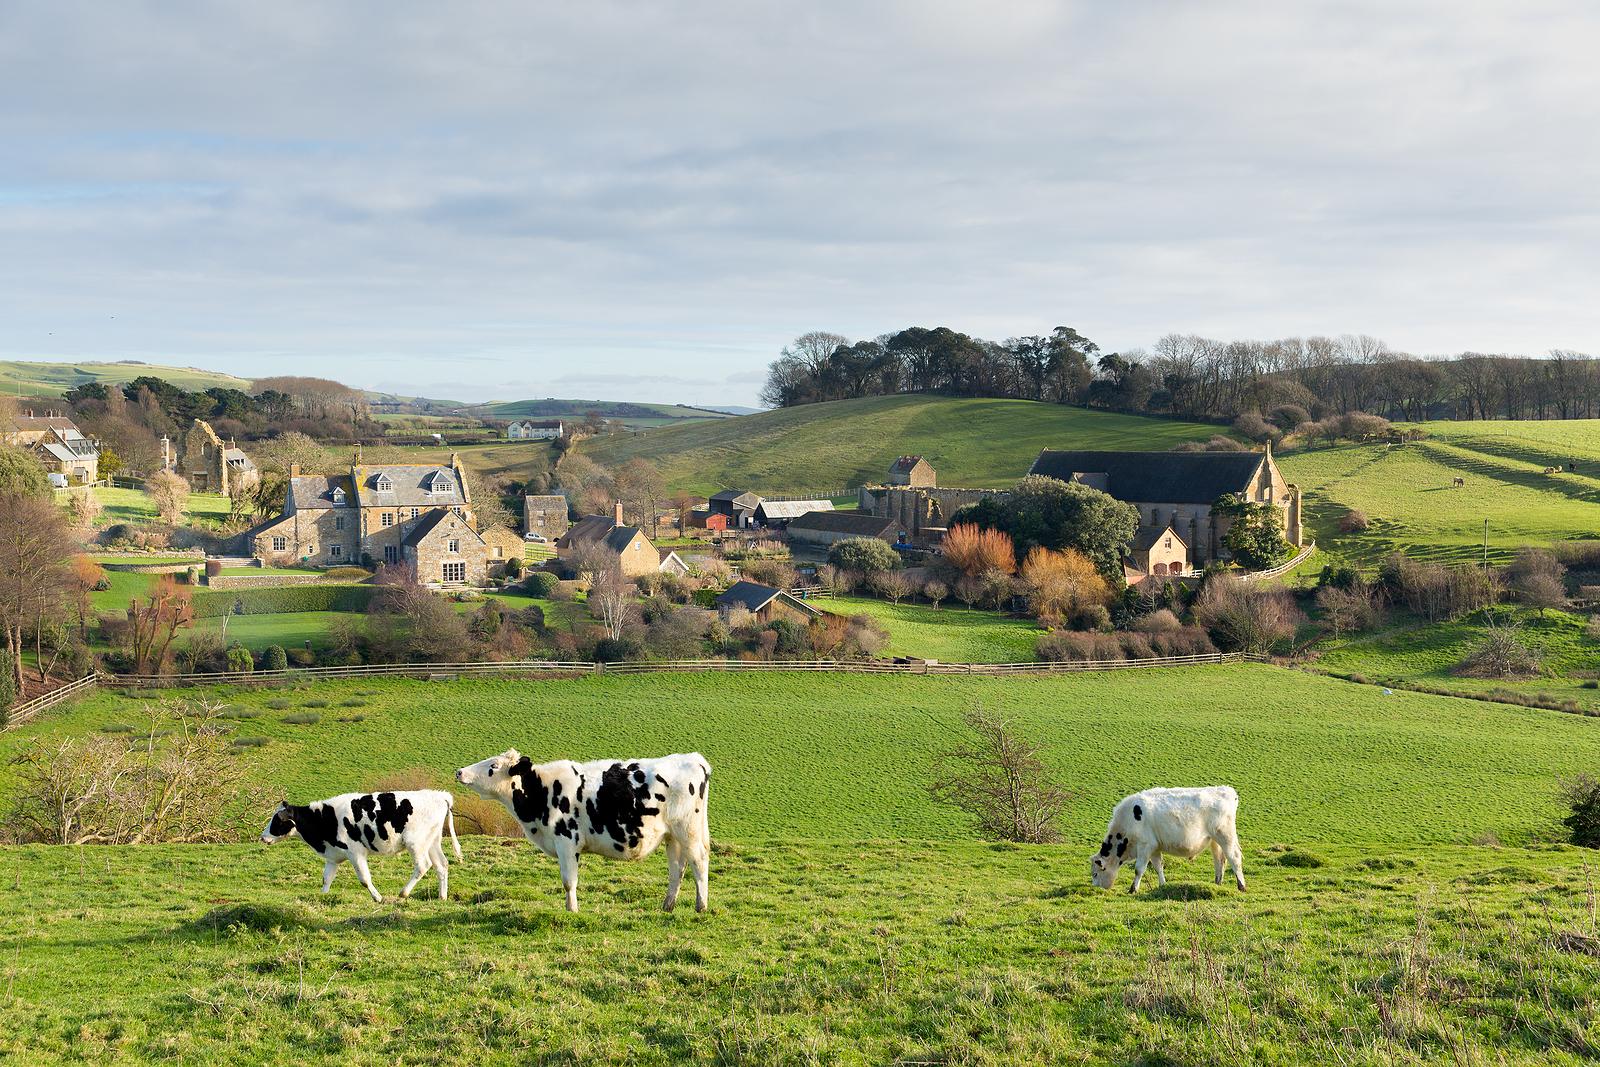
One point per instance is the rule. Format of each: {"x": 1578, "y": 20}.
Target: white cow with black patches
{"x": 1170, "y": 822}
{"x": 352, "y": 826}
{"x": 620, "y": 809}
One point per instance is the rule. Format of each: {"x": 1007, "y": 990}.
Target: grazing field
{"x": 850, "y": 952}
{"x": 1315, "y": 759}
{"x": 846, "y": 443}
{"x": 950, "y": 634}
{"x": 29, "y": 378}
{"x": 512, "y": 460}
{"x": 288, "y": 629}
{"x": 1408, "y": 495}
{"x": 641, "y": 414}
{"x": 135, "y": 506}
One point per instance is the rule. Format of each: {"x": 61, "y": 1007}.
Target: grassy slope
{"x": 1407, "y": 494}
{"x": 135, "y": 506}
{"x": 846, "y": 953}
{"x": 1315, "y": 759}
{"x": 551, "y": 409}
{"x": 847, "y": 443}
{"x": 53, "y": 379}
{"x": 514, "y": 460}
{"x": 951, "y": 634}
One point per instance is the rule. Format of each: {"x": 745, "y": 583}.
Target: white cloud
{"x": 660, "y": 195}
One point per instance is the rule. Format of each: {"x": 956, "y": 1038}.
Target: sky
{"x": 647, "y": 200}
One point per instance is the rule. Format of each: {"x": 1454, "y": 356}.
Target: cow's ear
{"x": 512, "y": 755}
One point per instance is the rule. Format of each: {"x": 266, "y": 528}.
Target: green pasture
{"x": 135, "y": 506}
{"x": 846, "y": 443}
{"x": 950, "y": 633}
{"x": 39, "y": 378}
{"x": 1314, "y": 758}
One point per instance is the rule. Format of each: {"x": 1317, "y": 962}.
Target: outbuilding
{"x": 765, "y": 603}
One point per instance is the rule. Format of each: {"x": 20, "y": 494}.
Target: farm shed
{"x": 765, "y": 603}
{"x": 826, "y": 527}
{"x": 738, "y": 505}
{"x": 1159, "y": 551}
{"x": 780, "y": 513}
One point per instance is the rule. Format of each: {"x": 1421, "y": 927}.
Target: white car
{"x": 539, "y": 538}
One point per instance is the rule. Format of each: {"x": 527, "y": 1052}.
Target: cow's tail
{"x": 450, "y": 821}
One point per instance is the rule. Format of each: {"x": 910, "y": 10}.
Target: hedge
{"x": 212, "y": 604}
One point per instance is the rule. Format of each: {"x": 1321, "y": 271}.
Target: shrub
{"x": 1503, "y": 653}
{"x": 563, "y": 591}
{"x": 278, "y": 704}
{"x": 865, "y": 555}
{"x": 302, "y": 718}
{"x": 1353, "y": 521}
{"x": 1092, "y": 617}
{"x": 250, "y": 742}
{"x": 347, "y": 574}
{"x": 540, "y": 583}
{"x": 1253, "y": 427}
{"x": 1158, "y": 622}
{"x": 274, "y": 659}
{"x": 1296, "y": 858}
{"x": 615, "y": 649}
{"x": 239, "y": 659}
{"x": 1247, "y": 617}
{"x": 1349, "y": 610}
{"x": 214, "y": 603}
{"x": 1581, "y": 795}
{"x": 1289, "y": 416}
{"x": 302, "y": 657}
{"x": 1001, "y": 781}
{"x": 773, "y": 572}
{"x": 514, "y": 567}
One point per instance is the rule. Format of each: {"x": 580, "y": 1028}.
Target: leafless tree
{"x": 35, "y": 569}
{"x": 611, "y": 595}
{"x": 999, "y": 779}
{"x": 170, "y": 494}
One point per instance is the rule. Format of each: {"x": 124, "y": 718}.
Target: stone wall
{"x": 258, "y": 581}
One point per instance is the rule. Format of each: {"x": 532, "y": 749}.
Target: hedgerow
{"x": 211, "y": 604}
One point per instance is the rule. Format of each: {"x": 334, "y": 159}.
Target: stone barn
{"x": 913, "y": 471}
{"x": 545, "y": 516}
{"x": 209, "y": 466}
{"x": 1156, "y": 551}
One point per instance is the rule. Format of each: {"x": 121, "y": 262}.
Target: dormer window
{"x": 383, "y": 484}
{"x": 438, "y": 482}
{"x": 338, "y": 496}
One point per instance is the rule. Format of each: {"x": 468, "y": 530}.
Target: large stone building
{"x": 209, "y": 466}
{"x": 826, "y": 527}
{"x": 1178, "y": 489}
{"x": 58, "y": 443}
{"x": 606, "y": 534}
{"x": 914, "y": 471}
{"x": 914, "y": 502}
{"x": 378, "y": 514}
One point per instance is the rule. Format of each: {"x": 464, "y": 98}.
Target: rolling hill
{"x": 634, "y": 414}
{"x": 29, "y": 379}
{"x": 846, "y": 443}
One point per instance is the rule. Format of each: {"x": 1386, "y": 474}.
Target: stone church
{"x": 209, "y": 466}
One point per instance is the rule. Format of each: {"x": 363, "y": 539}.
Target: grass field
{"x": 1407, "y": 494}
{"x": 1316, "y": 759}
{"x": 29, "y": 378}
{"x": 852, "y": 919}
{"x": 134, "y": 506}
{"x": 950, "y": 634}
{"x": 846, "y": 443}
{"x": 513, "y": 460}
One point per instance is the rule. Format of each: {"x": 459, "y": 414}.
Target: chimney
{"x": 618, "y": 520}
{"x": 294, "y": 470}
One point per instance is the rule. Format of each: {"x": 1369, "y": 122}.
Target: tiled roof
{"x": 1157, "y": 477}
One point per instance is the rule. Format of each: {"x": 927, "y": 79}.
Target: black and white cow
{"x": 613, "y": 808}
{"x": 352, "y": 826}
{"x": 1171, "y": 822}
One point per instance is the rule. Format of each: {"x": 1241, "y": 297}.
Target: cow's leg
{"x": 1217, "y": 861}
{"x": 329, "y": 869}
{"x": 568, "y": 860}
{"x": 359, "y": 862}
{"x": 420, "y": 862}
{"x": 1236, "y": 861}
{"x": 675, "y": 860}
{"x": 1161, "y": 871}
{"x": 442, "y": 865}
{"x": 700, "y": 863}
{"x": 1139, "y": 864}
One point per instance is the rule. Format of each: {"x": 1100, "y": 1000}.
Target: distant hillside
{"x": 844, "y": 443}
{"x": 634, "y": 414}
{"x": 26, "y": 378}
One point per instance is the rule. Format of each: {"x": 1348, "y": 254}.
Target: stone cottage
{"x": 545, "y": 516}
{"x": 606, "y": 533}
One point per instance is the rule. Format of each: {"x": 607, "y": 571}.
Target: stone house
{"x": 535, "y": 430}
{"x": 606, "y": 533}
{"x": 58, "y": 444}
{"x": 765, "y": 603}
{"x": 545, "y": 516}
{"x": 501, "y": 543}
{"x": 1156, "y": 551}
{"x": 445, "y": 550}
{"x": 209, "y": 466}
{"x": 1177, "y": 489}
{"x": 913, "y": 471}
{"x": 364, "y": 516}
{"x": 826, "y": 527}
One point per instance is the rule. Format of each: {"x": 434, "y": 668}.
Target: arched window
{"x": 1159, "y": 569}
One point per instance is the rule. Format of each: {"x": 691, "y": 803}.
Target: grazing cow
{"x": 621, "y": 810}
{"x": 1172, "y": 822}
{"x": 352, "y": 826}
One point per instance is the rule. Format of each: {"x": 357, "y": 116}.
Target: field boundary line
{"x": 1282, "y": 568}
{"x": 26, "y": 712}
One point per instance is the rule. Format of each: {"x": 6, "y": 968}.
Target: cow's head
{"x": 488, "y": 777}
{"x": 1104, "y": 865}
{"x": 281, "y": 826}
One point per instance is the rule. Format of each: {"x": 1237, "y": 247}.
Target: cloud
{"x": 659, "y": 196}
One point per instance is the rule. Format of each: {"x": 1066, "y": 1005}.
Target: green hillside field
{"x": 28, "y": 378}
{"x": 852, "y": 920}
{"x": 846, "y": 443}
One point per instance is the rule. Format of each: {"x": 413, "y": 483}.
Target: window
{"x": 338, "y": 522}
{"x": 415, "y": 512}
{"x": 499, "y": 553}
{"x": 455, "y": 572}
{"x": 387, "y": 519}
{"x": 383, "y": 484}
{"x": 452, "y": 545}
{"x": 1169, "y": 543}
{"x": 1266, "y": 493}
{"x": 280, "y": 544}
{"x": 391, "y": 553}
{"x": 338, "y": 496}
{"x": 335, "y": 551}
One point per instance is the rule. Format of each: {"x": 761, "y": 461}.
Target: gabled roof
{"x": 904, "y": 464}
{"x": 754, "y": 596}
{"x": 237, "y": 458}
{"x": 409, "y": 485}
{"x": 791, "y": 509}
{"x": 1157, "y": 477}
{"x": 848, "y": 522}
{"x": 598, "y": 529}
{"x": 431, "y": 522}
{"x": 1145, "y": 537}
{"x": 316, "y": 491}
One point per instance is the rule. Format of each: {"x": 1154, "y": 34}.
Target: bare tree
{"x": 935, "y": 591}
{"x": 35, "y": 569}
{"x": 1001, "y": 781}
{"x": 611, "y": 594}
{"x": 170, "y": 494}
{"x": 894, "y": 585}
{"x": 153, "y": 625}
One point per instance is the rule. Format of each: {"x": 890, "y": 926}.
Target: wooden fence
{"x": 1283, "y": 568}
{"x": 513, "y": 668}
{"x": 21, "y": 713}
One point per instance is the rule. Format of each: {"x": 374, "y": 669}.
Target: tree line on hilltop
{"x": 1189, "y": 376}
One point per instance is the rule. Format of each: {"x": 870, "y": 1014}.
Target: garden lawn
{"x": 289, "y": 629}
{"x": 135, "y": 506}
{"x": 846, "y": 952}
{"x": 948, "y": 634}
{"x": 1314, "y": 758}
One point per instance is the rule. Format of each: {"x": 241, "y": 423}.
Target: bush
{"x": 274, "y": 659}
{"x": 540, "y": 583}
{"x": 514, "y": 567}
{"x": 1092, "y": 617}
{"x": 278, "y": 704}
{"x": 563, "y": 592}
{"x": 1581, "y": 795}
{"x": 302, "y": 657}
{"x": 347, "y": 574}
{"x": 215, "y": 603}
{"x": 616, "y": 649}
{"x": 1243, "y": 617}
{"x": 1289, "y": 416}
{"x": 1159, "y": 621}
{"x": 1502, "y": 654}
{"x": 865, "y": 555}
{"x": 1353, "y": 521}
{"x": 303, "y": 718}
{"x": 1255, "y": 428}
{"x": 239, "y": 659}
